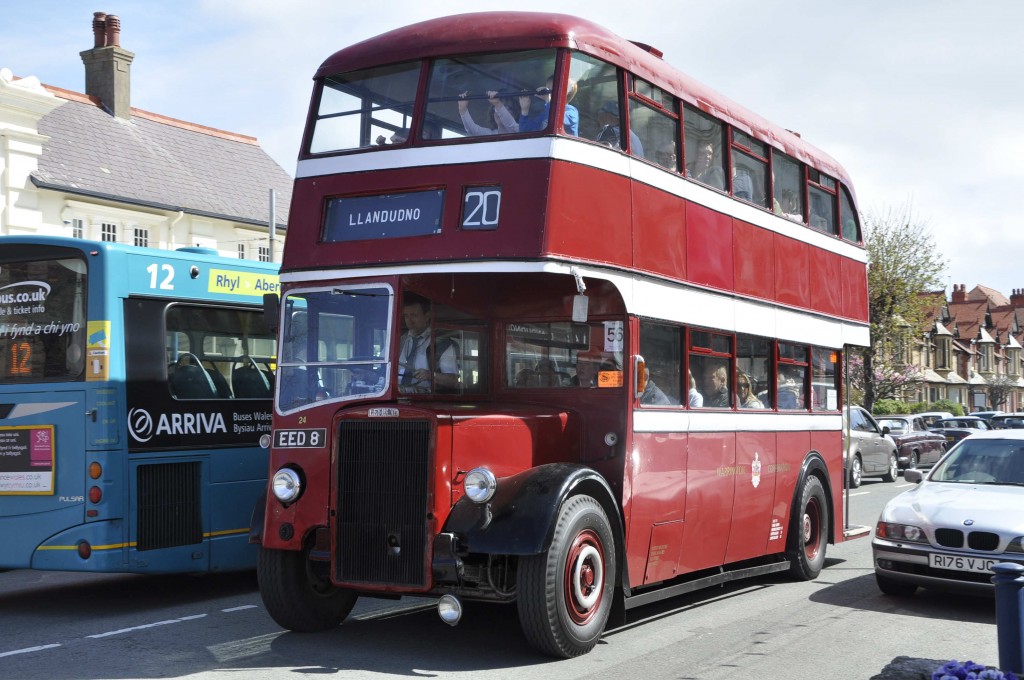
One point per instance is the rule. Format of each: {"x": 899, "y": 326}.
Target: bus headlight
{"x": 286, "y": 484}
{"x": 480, "y": 485}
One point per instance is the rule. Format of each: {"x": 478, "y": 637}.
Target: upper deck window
{"x": 363, "y": 108}
{"x": 788, "y": 186}
{"x": 654, "y": 120}
{"x": 508, "y": 93}
{"x": 749, "y": 169}
{"x": 703, "y": 140}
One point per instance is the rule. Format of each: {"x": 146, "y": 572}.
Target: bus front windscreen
{"x": 42, "y": 315}
{"x": 334, "y": 345}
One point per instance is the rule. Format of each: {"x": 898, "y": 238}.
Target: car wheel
{"x": 893, "y": 471}
{"x": 856, "y": 472}
{"x": 894, "y": 588}
{"x": 912, "y": 463}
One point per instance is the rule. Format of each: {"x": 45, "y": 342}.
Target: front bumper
{"x": 900, "y": 562}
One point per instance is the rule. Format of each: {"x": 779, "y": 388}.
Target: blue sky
{"x": 919, "y": 99}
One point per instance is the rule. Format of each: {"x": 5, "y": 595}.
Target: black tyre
{"x": 298, "y": 594}
{"x": 893, "y": 471}
{"x": 894, "y": 588}
{"x": 565, "y": 594}
{"x": 856, "y": 472}
{"x": 809, "y": 531}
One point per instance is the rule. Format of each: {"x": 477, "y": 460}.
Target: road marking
{"x": 859, "y": 493}
{"x": 145, "y": 626}
{"x": 28, "y": 650}
{"x": 238, "y": 609}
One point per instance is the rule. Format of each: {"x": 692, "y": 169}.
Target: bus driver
{"x": 415, "y": 371}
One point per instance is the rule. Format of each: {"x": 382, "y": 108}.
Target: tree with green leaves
{"x": 903, "y": 262}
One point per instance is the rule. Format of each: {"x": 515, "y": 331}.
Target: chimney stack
{"x": 108, "y": 66}
{"x": 959, "y": 292}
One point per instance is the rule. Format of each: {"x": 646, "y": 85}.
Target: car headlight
{"x": 480, "y": 485}
{"x": 900, "y": 532}
{"x": 1016, "y": 545}
{"x": 286, "y": 485}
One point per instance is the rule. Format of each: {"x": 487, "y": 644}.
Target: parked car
{"x": 987, "y": 415}
{"x": 930, "y": 417}
{"x": 870, "y": 452}
{"x": 955, "y": 429}
{"x": 915, "y": 443}
{"x": 1007, "y": 421}
{"x": 949, "y": 530}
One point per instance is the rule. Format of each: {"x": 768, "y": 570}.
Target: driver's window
{"x": 441, "y": 350}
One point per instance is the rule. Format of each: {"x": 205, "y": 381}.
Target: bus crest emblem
{"x": 755, "y": 470}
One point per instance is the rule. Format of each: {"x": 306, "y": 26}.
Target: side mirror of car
{"x": 885, "y": 429}
{"x": 912, "y": 476}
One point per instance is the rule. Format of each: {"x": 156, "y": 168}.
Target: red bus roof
{"x": 508, "y": 31}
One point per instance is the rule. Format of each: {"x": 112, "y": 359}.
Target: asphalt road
{"x": 63, "y": 625}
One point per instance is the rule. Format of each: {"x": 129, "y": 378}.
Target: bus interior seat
{"x": 220, "y": 383}
{"x": 249, "y": 381}
{"x": 189, "y": 380}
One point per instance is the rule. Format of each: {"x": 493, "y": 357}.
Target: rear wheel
{"x": 298, "y": 593}
{"x": 893, "y": 471}
{"x": 565, "y": 593}
{"x": 894, "y": 588}
{"x": 809, "y": 531}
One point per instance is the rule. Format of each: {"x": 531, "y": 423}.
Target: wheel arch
{"x": 520, "y": 519}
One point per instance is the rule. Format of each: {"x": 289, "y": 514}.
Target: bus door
{"x": 42, "y": 470}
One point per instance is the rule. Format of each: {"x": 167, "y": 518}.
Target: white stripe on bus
{"x": 736, "y": 421}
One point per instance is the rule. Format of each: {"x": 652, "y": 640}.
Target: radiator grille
{"x": 169, "y": 505}
{"x": 951, "y": 538}
{"x": 983, "y": 540}
{"x": 383, "y": 483}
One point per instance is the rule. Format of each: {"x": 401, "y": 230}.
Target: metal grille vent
{"x": 983, "y": 540}
{"x": 383, "y": 483}
{"x": 169, "y": 505}
{"x": 951, "y": 538}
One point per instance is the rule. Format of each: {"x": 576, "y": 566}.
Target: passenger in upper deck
{"x": 534, "y": 116}
{"x": 499, "y": 114}
{"x": 611, "y": 126}
{"x": 707, "y": 170}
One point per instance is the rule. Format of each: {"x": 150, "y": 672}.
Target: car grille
{"x": 976, "y": 540}
{"x": 383, "y": 484}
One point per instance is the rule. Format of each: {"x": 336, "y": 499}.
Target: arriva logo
{"x": 140, "y": 424}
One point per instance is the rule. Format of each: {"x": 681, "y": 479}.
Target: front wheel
{"x": 809, "y": 531}
{"x": 298, "y": 594}
{"x": 914, "y": 460}
{"x": 565, "y": 593}
{"x": 893, "y": 471}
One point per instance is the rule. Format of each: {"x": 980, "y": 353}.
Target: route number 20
{"x": 481, "y": 208}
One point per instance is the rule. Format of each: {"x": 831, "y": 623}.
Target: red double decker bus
{"x": 558, "y": 326}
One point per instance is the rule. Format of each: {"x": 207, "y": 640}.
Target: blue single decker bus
{"x": 135, "y": 385}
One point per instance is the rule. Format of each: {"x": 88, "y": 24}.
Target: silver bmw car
{"x": 964, "y": 516}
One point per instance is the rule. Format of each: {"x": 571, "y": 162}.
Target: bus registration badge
{"x": 383, "y": 412}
